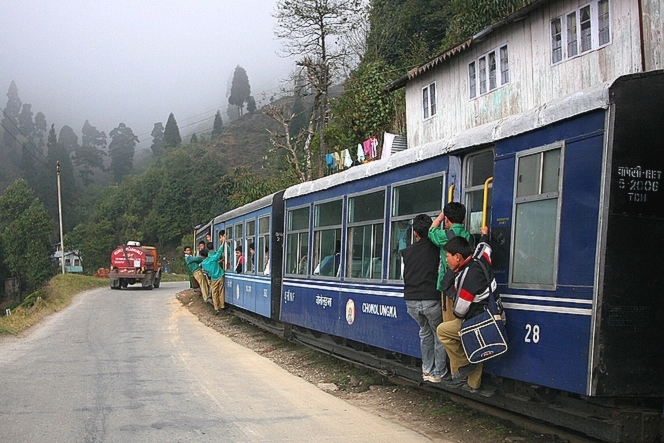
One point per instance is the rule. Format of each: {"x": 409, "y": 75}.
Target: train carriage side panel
{"x": 630, "y": 353}
{"x": 367, "y": 311}
{"x": 549, "y": 328}
{"x": 276, "y": 253}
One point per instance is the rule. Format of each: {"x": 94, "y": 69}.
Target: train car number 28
{"x": 532, "y": 333}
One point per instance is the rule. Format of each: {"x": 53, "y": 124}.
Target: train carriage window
{"x": 228, "y": 252}
{"x": 327, "y": 238}
{"x": 237, "y": 265}
{"x": 479, "y": 167}
{"x": 263, "y": 251}
{"x": 250, "y": 247}
{"x": 366, "y": 221}
{"x": 297, "y": 241}
{"x": 408, "y": 200}
{"x": 536, "y": 215}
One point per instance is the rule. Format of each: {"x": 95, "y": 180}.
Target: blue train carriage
{"x": 583, "y": 309}
{"x": 344, "y": 234}
{"x": 200, "y": 233}
{"x": 575, "y": 214}
{"x": 253, "y": 274}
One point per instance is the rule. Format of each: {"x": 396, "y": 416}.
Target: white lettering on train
{"x": 381, "y": 310}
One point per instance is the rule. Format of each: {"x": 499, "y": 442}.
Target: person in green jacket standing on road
{"x": 193, "y": 264}
{"x": 211, "y": 265}
{"x": 451, "y": 219}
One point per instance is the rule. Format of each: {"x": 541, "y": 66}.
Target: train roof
{"x": 575, "y": 104}
{"x": 249, "y": 207}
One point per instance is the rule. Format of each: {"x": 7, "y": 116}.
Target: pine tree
{"x": 240, "y": 89}
{"x": 217, "y": 126}
{"x": 121, "y": 149}
{"x": 157, "y": 139}
{"x": 90, "y": 155}
{"x": 59, "y": 152}
{"x": 10, "y": 118}
{"x": 171, "y": 133}
{"x": 251, "y": 105}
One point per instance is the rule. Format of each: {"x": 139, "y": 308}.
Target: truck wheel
{"x": 115, "y": 284}
{"x": 123, "y": 283}
{"x": 157, "y": 282}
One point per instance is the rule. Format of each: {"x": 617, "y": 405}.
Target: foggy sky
{"x": 112, "y": 61}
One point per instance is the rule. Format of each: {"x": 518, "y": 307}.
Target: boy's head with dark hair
{"x": 222, "y": 232}
{"x": 210, "y": 246}
{"x": 201, "y": 245}
{"x": 204, "y": 252}
{"x": 457, "y": 249}
{"x": 421, "y": 225}
{"x": 187, "y": 250}
{"x": 455, "y": 212}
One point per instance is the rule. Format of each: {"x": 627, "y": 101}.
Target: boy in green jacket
{"x": 452, "y": 218}
{"x": 211, "y": 265}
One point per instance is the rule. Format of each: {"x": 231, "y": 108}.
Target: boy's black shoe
{"x": 463, "y": 372}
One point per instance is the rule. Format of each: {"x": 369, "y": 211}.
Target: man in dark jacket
{"x": 420, "y": 276}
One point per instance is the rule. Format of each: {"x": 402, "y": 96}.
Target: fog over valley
{"x": 116, "y": 61}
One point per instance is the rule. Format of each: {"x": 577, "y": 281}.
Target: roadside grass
{"x": 174, "y": 277}
{"x": 54, "y": 296}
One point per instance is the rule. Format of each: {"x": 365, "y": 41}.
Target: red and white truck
{"x": 133, "y": 263}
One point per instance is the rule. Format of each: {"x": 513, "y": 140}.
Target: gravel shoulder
{"x": 429, "y": 412}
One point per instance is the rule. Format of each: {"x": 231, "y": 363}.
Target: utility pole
{"x": 62, "y": 244}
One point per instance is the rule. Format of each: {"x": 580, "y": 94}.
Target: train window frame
{"x": 470, "y": 190}
{"x": 249, "y": 239}
{"x": 238, "y": 242}
{"x": 229, "y": 252}
{"x": 408, "y": 219}
{"x": 377, "y": 232}
{"x": 319, "y": 231}
{"x": 531, "y": 199}
{"x": 263, "y": 244}
{"x": 302, "y": 237}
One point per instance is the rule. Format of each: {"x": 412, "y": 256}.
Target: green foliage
{"x": 194, "y": 138}
{"x": 121, "y": 150}
{"x": 90, "y": 155}
{"x": 363, "y": 110}
{"x": 157, "y": 139}
{"x": 26, "y": 229}
{"x": 172, "y": 133}
{"x": 240, "y": 89}
{"x": 10, "y": 117}
{"x": 468, "y": 17}
{"x": 94, "y": 241}
{"x": 243, "y": 186}
{"x": 217, "y": 126}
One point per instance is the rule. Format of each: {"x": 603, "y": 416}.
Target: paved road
{"x": 134, "y": 366}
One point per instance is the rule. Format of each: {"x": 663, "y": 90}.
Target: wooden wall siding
{"x": 533, "y": 79}
{"x": 653, "y": 35}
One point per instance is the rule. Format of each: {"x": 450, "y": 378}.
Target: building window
{"x": 429, "y": 100}
{"x": 556, "y": 41}
{"x": 408, "y": 200}
{"x": 536, "y": 215}
{"x": 366, "y": 221}
{"x": 580, "y": 31}
{"x": 297, "y": 241}
{"x": 327, "y": 238}
{"x": 483, "y": 72}
{"x": 603, "y": 18}
{"x": 504, "y": 65}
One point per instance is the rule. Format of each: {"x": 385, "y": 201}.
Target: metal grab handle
{"x": 450, "y": 194}
{"x": 485, "y": 202}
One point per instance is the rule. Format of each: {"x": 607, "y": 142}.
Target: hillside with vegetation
{"x": 334, "y": 100}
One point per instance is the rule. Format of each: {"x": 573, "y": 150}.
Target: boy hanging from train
{"x": 471, "y": 290}
{"x": 451, "y": 219}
